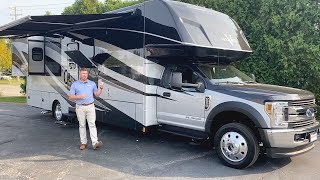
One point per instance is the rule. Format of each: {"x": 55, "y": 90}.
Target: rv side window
{"x": 53, "y": 66}
{"x": 119, "y": 67}
{"x": 37, "y": 54}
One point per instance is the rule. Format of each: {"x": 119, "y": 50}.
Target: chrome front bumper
{"x": 283, "y": 142}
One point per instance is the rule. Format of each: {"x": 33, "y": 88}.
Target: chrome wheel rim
{"x": 58, "y": 112}
{"x": 234, "y": 146}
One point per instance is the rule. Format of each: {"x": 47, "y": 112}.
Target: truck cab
{"x": 241, "y": 117}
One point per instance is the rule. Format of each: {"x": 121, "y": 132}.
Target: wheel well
{"x": 54, "y": 102}
{"x": 227, "y": 117}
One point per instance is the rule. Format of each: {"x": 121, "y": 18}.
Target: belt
{"x": 85, "y": 104}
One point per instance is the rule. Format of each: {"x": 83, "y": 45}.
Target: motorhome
{"x": 166, "y": 66}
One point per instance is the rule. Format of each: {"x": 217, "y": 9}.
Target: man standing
{"x": 82, "y": 92}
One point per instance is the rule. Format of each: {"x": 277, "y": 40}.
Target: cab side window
{"x": 188, "y": 77}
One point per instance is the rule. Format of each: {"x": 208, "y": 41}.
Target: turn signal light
{"x": 269, "y": 109}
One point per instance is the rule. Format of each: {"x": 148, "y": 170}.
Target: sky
{"x": 31, "y": 7}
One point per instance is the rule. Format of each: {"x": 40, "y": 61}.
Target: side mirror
{"x": 253, "y": 77}
{"x": 176, "y": 80}
{"x": 201, "y": 87}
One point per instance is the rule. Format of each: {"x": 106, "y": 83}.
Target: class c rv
{"x": 166, "y": 66}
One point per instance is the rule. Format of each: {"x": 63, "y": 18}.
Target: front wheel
{"x": 57, "y": 112}
{"x": 236, "y": 145}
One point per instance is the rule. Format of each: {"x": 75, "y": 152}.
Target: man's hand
{"x": 100, "y": 87}
{"x": 100, "y": 84}
{"x": 77, "y": 97}
{"x": 83, "y": 96}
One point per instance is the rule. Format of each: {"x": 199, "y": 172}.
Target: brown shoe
{"x": 97, "y": 145}
{"x": 83, "y": 146}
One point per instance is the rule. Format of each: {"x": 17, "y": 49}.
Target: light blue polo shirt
{"x": 88, "y": 88}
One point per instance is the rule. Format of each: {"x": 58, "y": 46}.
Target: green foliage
{"x": 48, "y": 13}
{"x": 284, "y": 36}
{"x": 318, "y": 115}
{"x": 23, "y": 85}
{"x": 96, "y": 7}
{"x": 5, "y": 57}
{"x": 15, "y": 99}
{"x": 13, "y": 81}
{"x": 84, "y": 7}
{"x": 116, "y": 4}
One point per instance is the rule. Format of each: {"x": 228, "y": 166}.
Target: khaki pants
{"x": 87, "y": 113}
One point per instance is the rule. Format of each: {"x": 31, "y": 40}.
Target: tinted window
{"x": 123, "y": 69}
{"x": 37, "y": 54}
{"x": 188, "y": 75}
{"x": 53, "y": 66}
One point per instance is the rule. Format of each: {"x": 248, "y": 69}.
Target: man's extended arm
{"x": 98, "y": 92}
{"x": 75, "y": 97}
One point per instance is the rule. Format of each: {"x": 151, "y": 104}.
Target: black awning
{"x": 101, "y": 58}
{"x": 47, "y": 25}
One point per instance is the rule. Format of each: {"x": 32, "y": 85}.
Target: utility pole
{"x": 15, "y": 12}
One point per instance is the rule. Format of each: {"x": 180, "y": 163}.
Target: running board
{"x": 194, "y": 134}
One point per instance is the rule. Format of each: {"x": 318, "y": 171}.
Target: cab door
{"x": 182, "y": 106}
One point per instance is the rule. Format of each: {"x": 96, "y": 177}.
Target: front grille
{"x": 298, "y": 124}
{"x": 309, "y": 102}
{"x": 297, "y": 116}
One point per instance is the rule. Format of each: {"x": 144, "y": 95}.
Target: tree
{"x": 48, "y": 13}
{"x": 283, "y": 35}
{"x": 84, "y": 7}
{"x": 116, "y": 4}
{"x": 96, "y": 7}
{"x": 5, "y": 56}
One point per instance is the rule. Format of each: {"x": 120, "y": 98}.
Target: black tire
{"x": 236, "y": 146}
{"x": 57, "y": 116}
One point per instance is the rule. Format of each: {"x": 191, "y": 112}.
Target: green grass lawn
{"x": 11, "y": 82}
{"x": 15, "y": 99}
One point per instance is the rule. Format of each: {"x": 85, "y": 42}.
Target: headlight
{"x": 275, "y": 111}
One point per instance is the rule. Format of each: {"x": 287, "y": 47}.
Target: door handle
{"x": 167, "y": 94}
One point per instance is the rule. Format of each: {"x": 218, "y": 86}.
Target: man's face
{"x": 84, "y": 75}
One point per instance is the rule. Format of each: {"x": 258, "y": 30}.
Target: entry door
{"x": 181, "y": 107}
{"x": 36, "y": 55}
{"x": 73, "y": 69}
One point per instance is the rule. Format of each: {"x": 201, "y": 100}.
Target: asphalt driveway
{"x": 33, "y": 147}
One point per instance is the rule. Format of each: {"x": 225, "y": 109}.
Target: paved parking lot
{"x": 33, "y": 147}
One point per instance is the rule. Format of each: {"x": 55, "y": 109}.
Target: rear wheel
{"x": 236, "y": 145}
{"x": 57, "y": 111}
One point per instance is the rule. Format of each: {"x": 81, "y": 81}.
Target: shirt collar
{"x": 84, "y": 82}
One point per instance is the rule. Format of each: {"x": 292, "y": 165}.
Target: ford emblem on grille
{"x": 310, "y": 112}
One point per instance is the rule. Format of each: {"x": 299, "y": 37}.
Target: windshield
{"x": 224, "y": 74}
